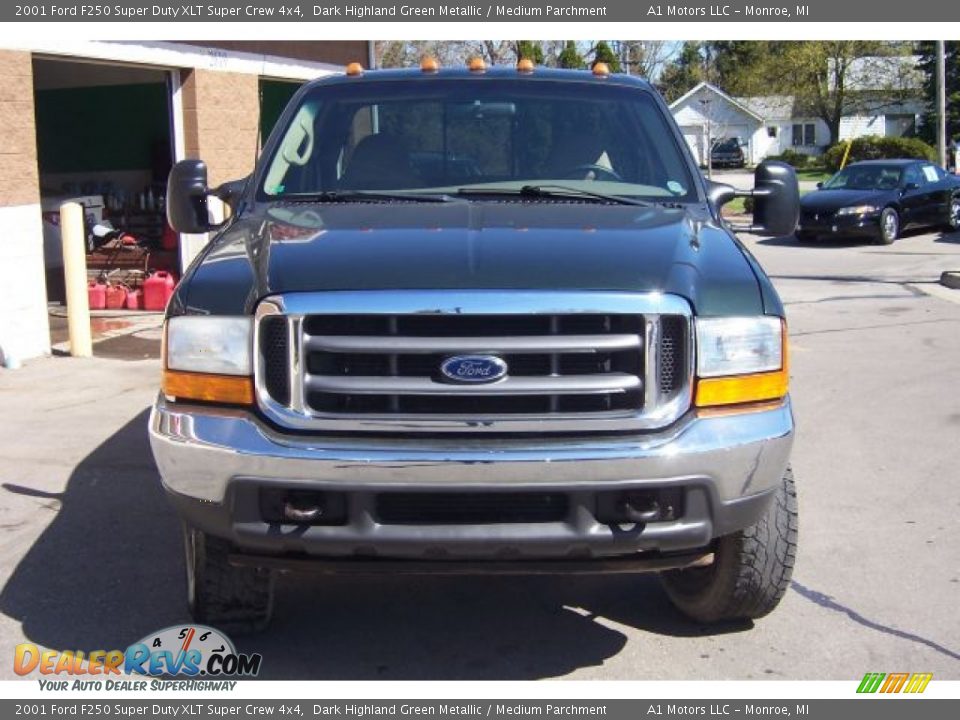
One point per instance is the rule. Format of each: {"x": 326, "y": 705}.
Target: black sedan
{"x": 878, "y": 199}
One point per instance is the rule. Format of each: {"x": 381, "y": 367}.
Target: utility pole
{"x": 941, "y": 105}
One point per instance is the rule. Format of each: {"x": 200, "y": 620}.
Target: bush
{"x": 791, "y": 157}
{"x": 879, "y": 148}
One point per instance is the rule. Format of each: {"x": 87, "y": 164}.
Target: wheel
{"x": 233, "y": 599}
{"x": 751, "y": 568}
{"x": 889, "y": 226}
{"x": 953, "y": 221}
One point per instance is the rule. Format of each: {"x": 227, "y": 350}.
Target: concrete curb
{"x": 950, "y": 279}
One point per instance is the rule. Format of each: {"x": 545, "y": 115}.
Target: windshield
{"x": 438, "y": 135}
{"x": 865, "y": 177}
{"x": 728, "y": 145}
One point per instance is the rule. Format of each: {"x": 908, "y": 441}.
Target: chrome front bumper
{"x": 729, "y": 465}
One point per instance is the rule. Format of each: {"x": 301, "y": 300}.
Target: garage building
{"x": 104, "y": 121}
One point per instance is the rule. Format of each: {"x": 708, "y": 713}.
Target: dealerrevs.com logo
{"x": 181, "y": 651}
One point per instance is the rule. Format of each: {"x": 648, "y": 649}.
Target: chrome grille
{"x": 391, "y": 363}
{"x": 569, "y": 370}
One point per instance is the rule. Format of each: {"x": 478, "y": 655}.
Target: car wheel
{"x": 889, "y": 226}
{"x": 233, "y": 599}
{"x": 751, "y": 569}
{"x": 953, "y": 222}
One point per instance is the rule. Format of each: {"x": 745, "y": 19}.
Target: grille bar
{"x": 531, "y": 344}
{"x": 562, "y": 385}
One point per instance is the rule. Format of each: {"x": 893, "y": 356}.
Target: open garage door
{"x": 104, "y": 139}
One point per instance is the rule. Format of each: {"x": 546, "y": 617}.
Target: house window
{"x": 899, "y": 125}
{"x": 772, "y": 131}
{"x": 804, "y": 134}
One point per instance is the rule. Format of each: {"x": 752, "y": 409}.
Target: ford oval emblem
{"x": 473, "y": 369}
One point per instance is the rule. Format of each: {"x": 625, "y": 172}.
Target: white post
{"x": 75, "y": 277}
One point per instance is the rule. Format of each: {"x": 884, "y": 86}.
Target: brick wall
{"x": 19, "y": 178}
{"x": 24, "y": 329}
{"x": 220, "y": 114}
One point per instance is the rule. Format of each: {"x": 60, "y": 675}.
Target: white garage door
{"x": 694, "y": 136}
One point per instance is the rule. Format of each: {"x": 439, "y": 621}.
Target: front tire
{"x": 751, "y": 569}
{"x": 233, "y": 599}
{"x": 889, "y": 226}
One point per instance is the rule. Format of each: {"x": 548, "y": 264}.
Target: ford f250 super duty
{"x": 483, "y": 320}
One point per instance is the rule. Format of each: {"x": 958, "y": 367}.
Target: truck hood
{"x": 505, "y": 245}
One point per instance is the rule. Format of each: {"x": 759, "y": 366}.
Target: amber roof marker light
{"x": 601, "y": 69}
{"x": 476, "y": 64}
{"x": 525, "y": 65}
{"x": 354, "y": 69}
{"x": 429, "y": 65}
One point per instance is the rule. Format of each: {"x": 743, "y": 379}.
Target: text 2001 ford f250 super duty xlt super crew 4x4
{"x": 483, "y": 320}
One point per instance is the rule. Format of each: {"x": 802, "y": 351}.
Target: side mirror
{"x": 187, "y": 194}
{"x": 776, "y": 199}
{"x": 819, "y": 185}
{"x": 910, "y": 186}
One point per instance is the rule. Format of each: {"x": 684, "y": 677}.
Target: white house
{"x": 769, "y": 125}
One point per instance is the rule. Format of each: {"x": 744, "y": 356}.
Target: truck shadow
{"x": 108, "y": 570}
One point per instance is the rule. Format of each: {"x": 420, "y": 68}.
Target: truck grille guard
{"x": 578, "y": 362}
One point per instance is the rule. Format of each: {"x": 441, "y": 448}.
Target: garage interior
{"x": 105, "y": 139}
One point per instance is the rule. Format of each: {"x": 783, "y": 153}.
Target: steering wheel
{"x": 599, "y": 172}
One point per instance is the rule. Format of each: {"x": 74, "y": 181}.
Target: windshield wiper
{"x": 334, "y": 196}
{"x": 554, "y": 191}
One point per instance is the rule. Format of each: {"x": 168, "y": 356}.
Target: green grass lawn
{"x": 813, "y": 174}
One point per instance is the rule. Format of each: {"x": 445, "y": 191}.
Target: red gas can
{"x": 157, "y": 290}
{"x": 97, "y": 295}
{"x": 116, "y": 296}
{"x": 134, "y": 300}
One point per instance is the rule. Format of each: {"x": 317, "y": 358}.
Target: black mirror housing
{"x": 776, "y": 198}
{"x": 187, "y": 194}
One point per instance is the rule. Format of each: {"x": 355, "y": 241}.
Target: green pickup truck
{"x": 478, "y": 320}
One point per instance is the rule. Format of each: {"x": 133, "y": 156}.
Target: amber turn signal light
{"x": 429, "y": 65}
{"x": 476, "y": 64}
{"x": 354, "y": 68}
{"x": 227, "y": 389}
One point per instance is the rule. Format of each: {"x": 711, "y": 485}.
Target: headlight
{"x": 858, "y": 210}
{"x": 740, "y": 360}
{"x": 738, "y": 345}
{"x": 208, "y": 358}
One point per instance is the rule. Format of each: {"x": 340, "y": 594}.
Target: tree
{"x": 603, "y": 53}
{"x": 570, "y": 57}
{"x": 928, "y": 66}
{"x": 529, "y": 49}
{"x": 684, "y": 73}
{"x": 827, "y": 79}
{"x": 646, "y": 58}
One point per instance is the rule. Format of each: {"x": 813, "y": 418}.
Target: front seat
{"x": 379, "y": 162}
